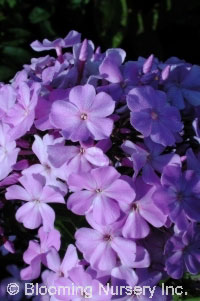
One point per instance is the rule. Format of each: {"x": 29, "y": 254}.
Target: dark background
{"x": 165, "y": 28}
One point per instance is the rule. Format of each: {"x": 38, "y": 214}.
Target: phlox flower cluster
{"x": 110, "y": 142}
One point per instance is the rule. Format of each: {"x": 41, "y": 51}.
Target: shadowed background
{"x": 165, "y": 28}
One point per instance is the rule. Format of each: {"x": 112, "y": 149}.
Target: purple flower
{"x": 7, "y": 99}
{"x": 36, "y": 211}
{"x": 7, "y": 243}
{"x": 38, "y": 64}
{"x": 60, "y": 269}
{"x": 110, "y": 67}
{"x": 149, "y": 158}
{"x": 78, "y": 159}
{"x": 100, "y": 191}
{"x": 103, "y": 245}
{"x": 193, "y": 162}
{"x": 141, "y": 212}
{"x": 155, "y": 244}
{"x": 13, "y": 270}
{"x": 21, "y": 116}
{"x": 37, "y": 253}
{"x": 88, "y": 287}
{"x": 84, "y": 115}
{"x": 183, "y": 85}
{"x": 119, "y": 79}
{"x": 43, "y": 108}
{"x": 10, "y": 180}
{"x": 9, "y": 246}
{"x": 152, "y": 116}
{"x": 195, "y": 125}
{"x": 72, "y": 38}
{"x": 179, "y": 195}
{"x": 8, "y": 151}
{"x": 45, "y": 168}
{"x": 142, "y": 278}
{"x": 182, "y": 252}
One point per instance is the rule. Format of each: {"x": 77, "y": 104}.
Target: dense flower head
{"x": 100, "y": 171}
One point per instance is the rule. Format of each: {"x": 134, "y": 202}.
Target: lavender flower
{"x": 153, "y": 116}
{"x": 37, "y": 253}
{"x": 179, "y": 195}
{"x": 101, "y": 191}
{"x": 182, "y": 252}
{"x": 183, "y": 86}
{"x": 141, "y": 212}
{"x": 8, "y": 151}
{"x": 72, "y": 38}
{"x": 102, "y": 246}
{"x": 36, "y": 211}
{"x": 84, "y": 115}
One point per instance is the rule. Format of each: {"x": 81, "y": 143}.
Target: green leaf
{"x": 75, "y": 4}
{"x": 66, "y": 227}
{"x": 176, "y": 298}
{"x": 112, "y": 19}
{"x": 5, "y": 73}
{"x": 192, "y": 299}
{"x": 19, "y": 32}
{"x": 2, "y": 17}
{"x": 11, "y": 3}
{"x": 155, "y": 19}
{"x": 38, "y": 15}
{"x": 47, "y": 29}
{"x": 190, "y": 276}
{"x": 117, "y": 39}
{"x": 140, "y": 23}
{"x": 2, "y": 2}
{"x": 168, "y": 5}
{"x": 17, "y": 54}
{"x": 124, "y": 18}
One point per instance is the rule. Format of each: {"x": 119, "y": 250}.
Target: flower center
{"x": 98, "y": 190}
{"x": 107, "y": 237}
{"x": 47, "y": 167}
{"x": 179, "y": 196}
{"x": 26, "y": 112}
{"x": 134, "y": 206}
{"x": 61, "y": 274}
{"x": 84, "y": 116}
{"x": 123, "y": 84}
{"x": 82, "y": 150}
{"x": 154, "y": 115}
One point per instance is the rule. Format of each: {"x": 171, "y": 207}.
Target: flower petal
{"x": 48, "y": 216}
{"x": 29, "y": 215}
{"x": 16, "y": 192}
